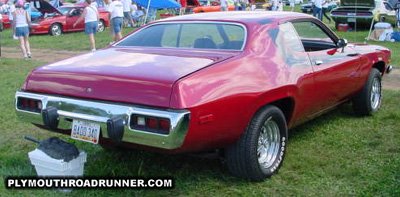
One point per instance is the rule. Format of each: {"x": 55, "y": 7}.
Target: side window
{"x": 313, "y": 37}
{"x": 289, "y": 46}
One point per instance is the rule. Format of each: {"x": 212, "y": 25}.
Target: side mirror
{"x": 342, "y": 43}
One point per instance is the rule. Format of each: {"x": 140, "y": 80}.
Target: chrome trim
{"x": 348, "y": 16}
{"x": 186, "y": 22}
{"x": 99, "y": 112}
{"x": 389, "y": 69}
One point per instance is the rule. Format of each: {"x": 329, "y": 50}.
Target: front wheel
{"x": 55, "y": 29}
{"x": 259, "y": 152}
{"x": 101, "y": 26}
{"x": 370, "y": 98}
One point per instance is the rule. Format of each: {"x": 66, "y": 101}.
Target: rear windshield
{"x": 189, "y": 35}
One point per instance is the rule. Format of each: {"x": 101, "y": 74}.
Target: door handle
{"x": 318, "y": 62}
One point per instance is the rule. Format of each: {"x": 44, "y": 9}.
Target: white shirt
{"x": 224, "y": 3}
{"x": 91, "y": 14}
{"x": 116, "y": 9}
{"x": 127, "y": 5}
{"x": 10, "y": 9}
{"x": 318, "y": 3}
{"x": 134, "y": 9}
{"x": 20, "y": 18}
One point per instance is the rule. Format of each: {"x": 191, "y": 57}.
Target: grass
{"x": 336, "y": 154}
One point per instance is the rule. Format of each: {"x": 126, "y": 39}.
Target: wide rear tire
{"x": 259, "y": 152}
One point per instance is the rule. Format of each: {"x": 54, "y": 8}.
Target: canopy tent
{"x": 159, "y": 4}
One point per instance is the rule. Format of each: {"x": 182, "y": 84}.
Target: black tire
{"x": 101, "y": 26}
{"x": 55, "y": 29}
{"x": 370, "y": 98}
{"x": 242, "y": 158}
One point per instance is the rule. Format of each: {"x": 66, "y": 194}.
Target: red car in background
{"x": 55, "y": 21}
{"x": 6, "y": 22}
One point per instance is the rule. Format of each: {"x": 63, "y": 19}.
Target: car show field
{"x": 338, "y": 153}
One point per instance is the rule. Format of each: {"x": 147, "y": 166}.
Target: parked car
{"x": 6, "y": 21}
{"x": 234, "y": 81}
{"x": 307, "y": 8}
{"x": 56, "y": 21}
{"x": 211, "y": 8}
{"x": 351, "y": 11}
{"x": 296, "y": 2}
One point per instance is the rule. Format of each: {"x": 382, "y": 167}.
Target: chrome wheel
{"x": 268, "y": 143}
{"x": 55, "y": 30}
{"x": 375, "y": 94}
{"x": 100, "y": 27}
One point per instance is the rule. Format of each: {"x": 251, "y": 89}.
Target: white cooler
{"x": 47, "y": 166}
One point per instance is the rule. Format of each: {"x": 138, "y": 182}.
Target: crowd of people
{"x": 122, "y": 13}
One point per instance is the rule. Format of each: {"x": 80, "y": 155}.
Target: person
{"x": 243, "y": 4}
{"x": 280, "y": 6}
{"x": 20, "y": 22}
{"x": 237, "y": 4}
{"x": 116, "y": 15}
{"x": 324, "y": 9}
{"x": 91, "y": 16}
{"x": 134, "y": 11}
{"x": 128, "y": 22}
{"x": 9, "y": 8}
{"x": 138, "y": 14}
{"x": 317, "y": 8}
{"x": 224, "y": 5}
{"x": 291, "y": 5}
{"x": 274, "y": 5}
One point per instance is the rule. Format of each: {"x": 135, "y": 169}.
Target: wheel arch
{"x": 380, "y": 66}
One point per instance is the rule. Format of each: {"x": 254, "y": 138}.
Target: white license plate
{"x": 308, "y": 9}
{"x": 351, "y": 20}
{"x": 85, "y": 131}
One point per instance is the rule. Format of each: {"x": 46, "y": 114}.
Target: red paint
{"x": 220, "y": 88}
{"x": 65, "y": 21}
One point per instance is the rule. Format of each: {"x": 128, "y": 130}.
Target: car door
{"x": 336, "y": 70}
{"x": 72, "y": 17}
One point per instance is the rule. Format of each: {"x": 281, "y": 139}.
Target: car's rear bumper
{"x": 68, "y": 109}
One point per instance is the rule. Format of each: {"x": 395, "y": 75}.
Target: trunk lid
{"x": 358, "y": 3}
{"x": 139, "y": 76}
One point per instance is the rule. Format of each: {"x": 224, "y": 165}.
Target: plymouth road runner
{"x": 233, "y": 81}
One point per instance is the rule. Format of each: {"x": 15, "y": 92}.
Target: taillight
{"x": 150, "y": 124}
{"x": 29, "y": 104}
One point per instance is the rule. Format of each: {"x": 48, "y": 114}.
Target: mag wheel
{"x": 370, "y": 98}
{"x": 259, "y": 152}
{"x": 101, "y": 26}
{"x": 55, "y": 29}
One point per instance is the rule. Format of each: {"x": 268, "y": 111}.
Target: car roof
{"x": 240, "y": 16}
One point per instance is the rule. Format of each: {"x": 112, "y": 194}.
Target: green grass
{"x": 336, "y": 154}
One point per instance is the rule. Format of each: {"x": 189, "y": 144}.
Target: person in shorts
{"x": 91, "y": 16}
{"x": 117, "y": 17}
{"x": 292, "y": 5}
{"x": 127, "y": 13}
{"x": 20, "y": 22}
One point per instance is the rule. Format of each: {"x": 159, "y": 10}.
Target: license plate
{"x": 85, "y": 131}
{"x": 352, "y": 20}
{"x": 309, "y": 10}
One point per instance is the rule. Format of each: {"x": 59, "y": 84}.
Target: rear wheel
{"x": 55, "y": 29}
{"x": 259, "y": 152}
{"x": 370, "y": 98}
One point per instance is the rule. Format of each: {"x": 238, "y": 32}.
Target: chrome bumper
{"x": 100, "y": 112}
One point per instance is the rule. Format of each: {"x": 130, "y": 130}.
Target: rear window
{"x": 189, "y": 35}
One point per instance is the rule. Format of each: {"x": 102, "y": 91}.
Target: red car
{"x": 6, "y": 21}
{"x": 55, "y": 21}
{"x": 233, "y": 81}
